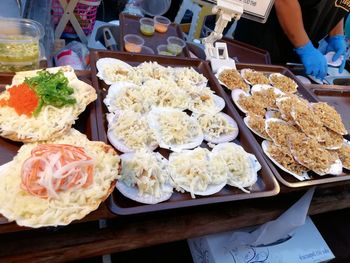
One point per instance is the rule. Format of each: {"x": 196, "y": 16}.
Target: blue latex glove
{"x": 314, "y": 62}
{"x": 337, "y": 44}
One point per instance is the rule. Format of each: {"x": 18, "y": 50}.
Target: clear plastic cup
{"x": 163, "y": 50}
{"x": 133, "y": 43}
{"x": 175, "y": 45}
{"x": 147, "y": 50}
{"x": 19, "y": 44}
{"x": 161, "y": 24}
{"x": 147, "y": 26}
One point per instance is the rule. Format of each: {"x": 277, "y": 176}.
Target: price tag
{"x": 257, "y": 10}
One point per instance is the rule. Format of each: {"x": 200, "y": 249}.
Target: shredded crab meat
{"x": 137, "y": 99}
{"x": 215, "y": 126}
{"x": 192, "y": 169}
{"x": 257, "y": 123}
{"x": 344, "y": 155}
{"x": 233, "y": 80}
{"x": 152, "y": 70}
{"x": 310, "y": 153}
{"x": 147, "y": 172}
{"x": 283, "y": 83}
{"x": 132, "y": 129}
{"x": 280, "y": 131}
{"x": 118, "y": 73}
{"x": 255, "y": 77}
{"x": 308, "y": 122}
{"x": 202, "y": 100}
{"x": 249, "y": 104}
{"x": 189, "y": 75}
{"x": 283, "y": 156}
{"x": 329, "y": 117}
{"x": 178, "y": 128}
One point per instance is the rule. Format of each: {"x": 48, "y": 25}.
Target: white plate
{"x": 153, "y": 124}
{"x": 303, "y": 177}
{"x": 219, "y": 105}
{"x": 103, "y": 62}
{"x": 220, "y": 70}
{"x": 335, "y": 169}
{"x": 246, "y": 121}
{"x": 114, "y": 91}
{"x": 348, "y": 144}
{"x": 223, "y": 138}
{"x": 330, "y": 62}
{"x": 235, "y": 94}
{"x": 281, "y": 75}
{"x": 133, "y": 193}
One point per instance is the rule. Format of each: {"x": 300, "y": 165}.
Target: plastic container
{"x": 155, "y": 7}
{"x": 175, "y": 45}
{"x": 161, "y": 24}
{"x": 19, "y": 44}
{"x": 147, "y": 50}
{"x": 163, "y": 50}
{"x": 133, "y": 43}
{"x": 147, "y": 26}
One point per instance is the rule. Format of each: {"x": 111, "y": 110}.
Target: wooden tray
{"x": 118, "y": 204}
{"x": 130, "y": 25}
{"x": 246, "y": 53}
{"x": 283, "y": 177}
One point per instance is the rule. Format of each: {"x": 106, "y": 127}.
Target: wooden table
{"x": 85, "y": 239}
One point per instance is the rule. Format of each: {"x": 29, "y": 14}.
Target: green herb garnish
{"x": 52, "y": 89}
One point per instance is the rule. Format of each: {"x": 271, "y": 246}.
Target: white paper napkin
{"x": 277, "y": 229}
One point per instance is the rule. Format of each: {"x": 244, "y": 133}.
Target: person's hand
{"x": 337, "y": 44}
{"x": 314, "y": 62}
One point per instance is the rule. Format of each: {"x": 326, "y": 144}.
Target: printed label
{"x": 257, "y": 7}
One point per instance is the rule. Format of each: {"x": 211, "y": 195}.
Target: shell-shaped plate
{"x": 133, "y": 193}
{"x": 117, "y": 143}
{"x": 110, "y": 62}
{"x": 303, "y": 177}
{"x": 347, "y": 143}
{"x": 113, "y": 92}
{"x": 254, "y": 167}
{"x": 235, "y": 95}
{"x": 223, "y": 138}
{"x": 154, "y": 125}
{"x": 211, "y": 188}
{"x": 246, "y": 121}
{"x": 219, "y": 105}
{"x": 281, "y": 75}
{"x": 267, "y": 124}
{"x": 220, "y": 70}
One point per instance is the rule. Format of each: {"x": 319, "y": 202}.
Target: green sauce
{"x": 19, "y": 55}
{"x": 165, "y": 53}
{"x": 147, "y": 30}
{"x": 174, "y": 49}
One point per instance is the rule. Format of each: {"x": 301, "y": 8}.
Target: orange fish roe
{"x": 23, "y": 99}
{"x": 3, "y": 102}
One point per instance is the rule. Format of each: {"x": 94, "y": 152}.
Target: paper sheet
{"x": 277, "y": 229}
